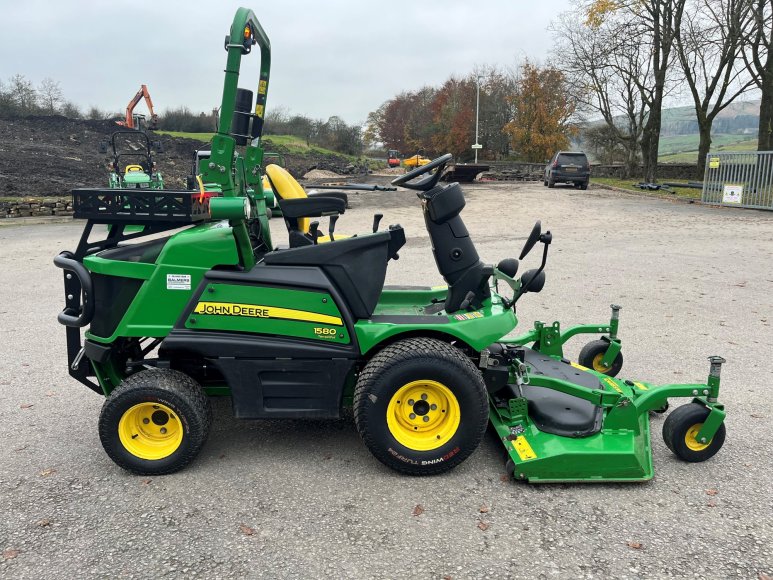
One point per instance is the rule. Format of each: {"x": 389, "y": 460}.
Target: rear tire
{"x": 584, "y": 185}
{"x": 680, "y": 429}
{"x": 420, "y": 406}
{"x": 551, "y": 183}
{"x": 155, "y": 422}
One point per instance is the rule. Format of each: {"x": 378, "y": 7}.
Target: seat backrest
{"x": 286, "y": 187}
{"x": 455, "y": 253}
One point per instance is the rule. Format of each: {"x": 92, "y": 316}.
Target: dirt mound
{"x": 300, "y": 165}
{"x": 44, "y": 156}
{"x": 49, "y": 156}
{"x": 320, "y": 174}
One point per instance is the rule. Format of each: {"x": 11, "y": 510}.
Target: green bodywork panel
{"x": 478, "y": 329}
{"x": 155, "y": 309}
{"x": 264, "y": 310}
{"x": 609, "y": 455}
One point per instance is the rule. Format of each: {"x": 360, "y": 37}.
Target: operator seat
{"x": 286, "y": 187}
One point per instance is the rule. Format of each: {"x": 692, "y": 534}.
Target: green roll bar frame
{"x": 234, "y": 174}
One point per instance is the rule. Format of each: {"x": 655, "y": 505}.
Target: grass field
{"x": 630, "y": 184}
{"x": 291, "y": 143}
{"x": 195, "y": 136}
{"x": 684, "y": 148}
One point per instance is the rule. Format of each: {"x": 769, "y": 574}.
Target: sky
{"x": 328, "y": 57}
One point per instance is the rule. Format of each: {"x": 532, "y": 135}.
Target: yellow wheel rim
{"x": 691, "y": 438}
{"x": 150, "y": 431}
{"x": 423, "y": 415}
{"x": 598, "y": 366}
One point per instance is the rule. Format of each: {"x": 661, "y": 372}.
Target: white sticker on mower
{"x": 178, "y": 281}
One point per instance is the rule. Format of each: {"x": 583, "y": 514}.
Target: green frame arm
{"x": 241, "y": 176}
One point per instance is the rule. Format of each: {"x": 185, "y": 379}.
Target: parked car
{"x": 568, "y": 167}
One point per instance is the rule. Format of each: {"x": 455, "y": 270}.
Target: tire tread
{"x": 399, "y": 352}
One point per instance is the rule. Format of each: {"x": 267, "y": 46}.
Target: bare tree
{"x": 71, "y": 110}
{"x": 658, "y": 23}
{"x": 23, "y": 94}
{"x": 709, "y": 49}
{"x": 611, "y": 74}
{"x": 758, "y": 45}
{"x": 50, "y": 95}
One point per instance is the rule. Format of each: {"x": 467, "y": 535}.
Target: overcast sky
{"x": 329, "y": 57}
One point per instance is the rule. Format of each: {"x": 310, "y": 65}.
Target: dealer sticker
{"x": 178, "y": 281}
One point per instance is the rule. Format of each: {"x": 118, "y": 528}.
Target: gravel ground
{"x": 305, "y": 499}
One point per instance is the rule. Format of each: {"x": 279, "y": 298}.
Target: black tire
{"x": 179, "y": 401}
{"x": 416, "y": 361}
{"x": 676, "y": 433}
{"x": 544, "y": 182}
{"x": 584, "y": 185}
{"x": 551, "y": 183}
{"x": 269, "y": 213}
{"x": 590, "y": 356}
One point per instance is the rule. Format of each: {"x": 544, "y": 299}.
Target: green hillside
{"x": 684, "y": 148}
{"x": 288, "y": 143}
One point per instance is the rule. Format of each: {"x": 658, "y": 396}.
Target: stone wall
{"x": 666, "y": 171}
{"x": 34, "y": 207}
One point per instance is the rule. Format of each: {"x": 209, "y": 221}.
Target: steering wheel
{"x": 428, "y": 182}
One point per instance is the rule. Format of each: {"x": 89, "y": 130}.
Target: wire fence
{"x": 739, "y": 179}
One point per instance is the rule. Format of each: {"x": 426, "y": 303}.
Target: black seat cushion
{"x": 357, "y": 266}
{"x": 555, "y": 412}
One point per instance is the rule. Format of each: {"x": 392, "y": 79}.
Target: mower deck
{"x": 552, "y": 436}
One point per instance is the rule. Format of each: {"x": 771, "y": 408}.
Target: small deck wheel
{"x": 420, "y": 406}
{"x": 592, "y": 354}
{"x": 155, "y": 422}
{"x": 681, "y": 428}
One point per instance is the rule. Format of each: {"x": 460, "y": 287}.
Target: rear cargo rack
{"x": 140, "y": 206}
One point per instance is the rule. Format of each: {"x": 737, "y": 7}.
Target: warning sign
{"x": 732, "y": 194}
{"x": 713, "y": 162}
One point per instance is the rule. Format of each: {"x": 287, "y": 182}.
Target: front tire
{"x": 592, "y": 354}
{"x": 155, "y": 422}
{"x": 680, "y": 429}
{"x": 420, "y": 406}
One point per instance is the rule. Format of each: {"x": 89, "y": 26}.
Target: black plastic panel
{"x": 558, "y": 413}
{"x": 112, "y": 297}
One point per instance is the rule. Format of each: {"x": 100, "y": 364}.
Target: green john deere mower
{"x": 306, "y": 327}
{"x": 131, "y": 163}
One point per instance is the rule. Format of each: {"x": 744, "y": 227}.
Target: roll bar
{"x": 246, "y": 31}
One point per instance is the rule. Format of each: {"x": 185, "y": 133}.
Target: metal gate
{"x": 739, "y": 179}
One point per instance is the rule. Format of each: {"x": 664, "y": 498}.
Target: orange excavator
{"x": 133, "y": 121}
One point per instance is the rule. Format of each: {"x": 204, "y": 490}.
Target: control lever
{"x": 376, "y": 221}
{"x": 332, "y": 227}
{"x": 467, "y": 301}
{"x": 314, "y": 231}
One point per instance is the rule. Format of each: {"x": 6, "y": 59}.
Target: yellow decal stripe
{"x": 579, "y": 366}
{"x": 523, "y": 449}
{"x": 259, "y": 311}
{"x": 613, "y": 384}
{"x": 640, "y": 386}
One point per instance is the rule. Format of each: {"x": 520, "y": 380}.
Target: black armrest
{"x": 311, "y": 207}
{"x": 335, "y": 194}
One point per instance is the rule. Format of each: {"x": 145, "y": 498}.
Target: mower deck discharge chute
{"x": 304, "y": 329}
